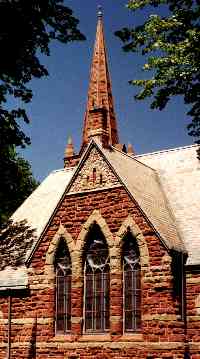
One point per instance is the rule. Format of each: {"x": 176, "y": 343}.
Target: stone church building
{"x": 103, "y": 259}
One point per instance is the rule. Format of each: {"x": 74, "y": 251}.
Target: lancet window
{"x": 63, "y": 289}
{"x": 96, "y": 282}
{"x": 131, "y": 285}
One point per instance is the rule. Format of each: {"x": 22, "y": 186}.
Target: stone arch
{"x": 130, "y": 225}
{"x": 96, "y": 218}
{"x": 50, "y": 255}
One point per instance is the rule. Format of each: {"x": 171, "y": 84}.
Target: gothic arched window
{"x": 63, "y": 289}
{"x": 96, "y": 282}
{"x": 131, "y": 285}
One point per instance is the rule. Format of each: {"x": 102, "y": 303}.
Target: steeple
{"x": 100, "y": 120}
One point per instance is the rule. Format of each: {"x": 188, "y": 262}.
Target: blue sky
{"x": 58, "y": 105}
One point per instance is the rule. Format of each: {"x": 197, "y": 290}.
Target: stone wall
{"x": 193, "y": 311}
{"x": 162, "y": 333}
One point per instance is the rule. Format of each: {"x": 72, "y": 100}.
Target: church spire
{"x": 100, "y": 120}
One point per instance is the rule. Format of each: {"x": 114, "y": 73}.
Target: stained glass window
{"x": 97, "y": 282}
{"x": 63, "y": 289}
{"x": 131, "y": 285}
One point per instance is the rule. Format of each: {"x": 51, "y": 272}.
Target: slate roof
{"x": 179, "y": 173}
{"x": 30, "y": 219}
{"x": 143, "y": 183}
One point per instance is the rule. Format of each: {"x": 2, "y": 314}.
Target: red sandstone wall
{"x": 162, "y": 333}
{"x": 193, "y": 312}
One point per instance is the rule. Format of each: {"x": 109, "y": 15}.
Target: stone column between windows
{"x": 76, "y": 305}
{"x": 76, "y": 295}
{"x": 116, "y": 293}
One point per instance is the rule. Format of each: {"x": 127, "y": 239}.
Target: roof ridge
{"x": 167, "y": 150}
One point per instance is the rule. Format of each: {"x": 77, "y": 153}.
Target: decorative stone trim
{"x": 133, "y": 337}
{"x": 50, "y": 284}
{"x": 193, "y": 318}
{"x": 115, "y": 318}
{"x": 197, "y": 305}
{"x": 194, "y": 346}
{"x": 94, "y": 190}
{"x": 76, "y": 248}
{"x": 157, "y": 279}
{"x": 49, "y": 262}
{"x": 114, "y": 246}
{"x": 85, "y": 180}
{"x": 76, "y": 320}
{"x": 161, "y": 317}
{"x": 60, "y": 338}
{"x": 95, "y": 338}
{"x": 90, "y": 342}
{"x": 97, "y": 218}
{"x": 28, "y": 321}
{"x": 195, "y": 280}
{"x": 130, "y": 225}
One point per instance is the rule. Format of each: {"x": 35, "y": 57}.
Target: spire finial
{"x": 100, "y": 120}
{"x": 69, "y": 151}
{"x": 69, "y": 140}
{"x": 100, "y": 13}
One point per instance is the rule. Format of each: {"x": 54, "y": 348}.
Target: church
{"x": 103, "y": 259}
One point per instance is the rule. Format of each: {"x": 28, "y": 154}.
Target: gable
{"x": 112, "y": 169}
{"x": 94, "y": 173}
{"x": 140, "y": 181}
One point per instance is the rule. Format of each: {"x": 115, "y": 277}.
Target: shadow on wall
{"x": 15, "y": 239}
{"x": 32, "y": 348}
{"x": 179, "y": 292}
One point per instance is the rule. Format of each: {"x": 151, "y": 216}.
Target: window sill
{"x": 98, "y": 338}
{"x": 131, "y": 337}
{"x": 63, "y": 338}
{"x": 95, "y": 338}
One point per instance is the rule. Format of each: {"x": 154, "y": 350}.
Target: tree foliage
{"x": 16, "y": 182}
{"x": 27, "y": 27}
{"x": 170, "y": 44}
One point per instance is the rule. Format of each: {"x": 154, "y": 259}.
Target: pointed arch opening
{"x": 63, "y": 267}
{"x": 96, "y": 281}
{"x": 131, "y": 284}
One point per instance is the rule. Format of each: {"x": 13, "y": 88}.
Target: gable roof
{"x": 143, "y": 184}
{"x": 46, "y": 196}
{"x": 179, "y": 173}
{"x": 141, "y": 181}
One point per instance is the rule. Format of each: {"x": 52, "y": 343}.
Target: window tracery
{"x": 96, "y": 282}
